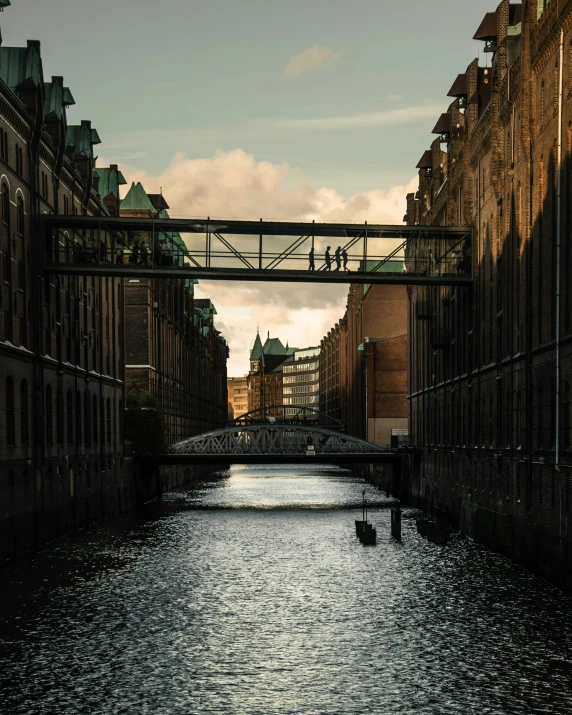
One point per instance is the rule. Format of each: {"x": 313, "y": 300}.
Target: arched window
{"x": 60, "y": 417}
{"x": 20, "y": 216}
{"x": 24, "y": 419}
{"x": 94, "y": 418}
{"x": 69, "y": 416}
{"x": 10, "y": 414}
{"x": 49, "y": 416}
{"x": 5, "y": 204}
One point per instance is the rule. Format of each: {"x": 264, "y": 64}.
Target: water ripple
{"x": 275, "y": 608}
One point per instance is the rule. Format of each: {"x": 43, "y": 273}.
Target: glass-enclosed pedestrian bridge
{"x": 257, "y": 250}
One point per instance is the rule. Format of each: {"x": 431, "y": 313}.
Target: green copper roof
{"x": 206, "y": 304}
{"x": 137, "y": 199}
{"x": 110, "y": 179}
{"x": 273, "y": 346}
{"x": 80, "y": 138}
{"x": 56, "y": 97}
{"x": 21, "y": 67}
{"x": 256, "y": 351}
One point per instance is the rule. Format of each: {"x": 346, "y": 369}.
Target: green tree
{"x": 144, "y": 424}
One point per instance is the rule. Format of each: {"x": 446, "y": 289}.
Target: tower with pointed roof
{"x": 265, "y": 376}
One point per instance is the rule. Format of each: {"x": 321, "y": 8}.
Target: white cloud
{"x": 234, "y": 185}
{"x": 370, "y": 119}
{"x": 315, "y": 57}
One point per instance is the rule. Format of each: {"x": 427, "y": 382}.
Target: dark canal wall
{"x": 67, "y": 505}
{"x": 489, "y": 505}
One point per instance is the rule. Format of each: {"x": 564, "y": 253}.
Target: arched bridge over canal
{"x": 273, "y": 435}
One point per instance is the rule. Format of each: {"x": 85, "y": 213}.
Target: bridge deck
{"x": 257, "y": 250}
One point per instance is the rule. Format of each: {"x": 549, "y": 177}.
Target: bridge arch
{"x": 236, "y": 442}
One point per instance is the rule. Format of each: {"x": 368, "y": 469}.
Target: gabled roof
{"x": 80, "y": 138}
{"x": 443, "y": 125}
{"x": 273, "y": 346}
{"x": 459, "y": 88}
{"x": 426, "y": 161}
{"x": 488, "y": 28}
{"x": 21, "y": 67}
{"x": 56, "y": 97}
{"x": 110, "y": 179}
{"x": 158, "y": 202}
{"x": 137, "y": 199}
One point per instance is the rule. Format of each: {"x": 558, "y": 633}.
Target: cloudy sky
{"x": 260, "y": 108}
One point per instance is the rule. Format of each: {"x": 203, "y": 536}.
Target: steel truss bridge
{"x": 257, "y": 250}
{"x": 261, "y": 437}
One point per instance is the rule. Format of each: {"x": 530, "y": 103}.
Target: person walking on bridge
{"x": 338, "y": 256}
{"x": 328, "y": 259}
{"x": 143, "y": 252}
{"x": 311, "y": 259}
{"x": 345, "y": 257}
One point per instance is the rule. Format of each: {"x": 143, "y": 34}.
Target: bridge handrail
{"x": 274, "y": 439}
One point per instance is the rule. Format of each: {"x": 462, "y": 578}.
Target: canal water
{"x": 252, "y": 595}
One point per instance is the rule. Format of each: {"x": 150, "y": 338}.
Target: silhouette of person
{"x": 328, "y": 259}
{"x": 338, "y": 258}
{"x": 345, "y": 257}
{"x": 311, "y": 259}
{"x": 143, "y": 252}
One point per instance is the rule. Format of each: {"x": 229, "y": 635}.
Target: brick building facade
{"x": 491, "y": 365}
{"x": 333, "y": 371}
{"x": 63, "y": 339}
{"x": 173, "y": 348}
{"x": 61, "y": 345}
{"x": 237, "y": 388}
{"x": 363, "y": 372}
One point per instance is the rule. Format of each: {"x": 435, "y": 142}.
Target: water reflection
{"x": 253, "y": 595}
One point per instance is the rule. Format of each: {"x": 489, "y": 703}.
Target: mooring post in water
{"x": 396, "y": 522}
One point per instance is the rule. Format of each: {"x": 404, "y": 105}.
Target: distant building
{"x": 265, "y": 376}
{"x": 334, "y": 371}
{"x": 301, "y": 380}
{"x": 363, "y": 364}
{"x": 237, "y": 388}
